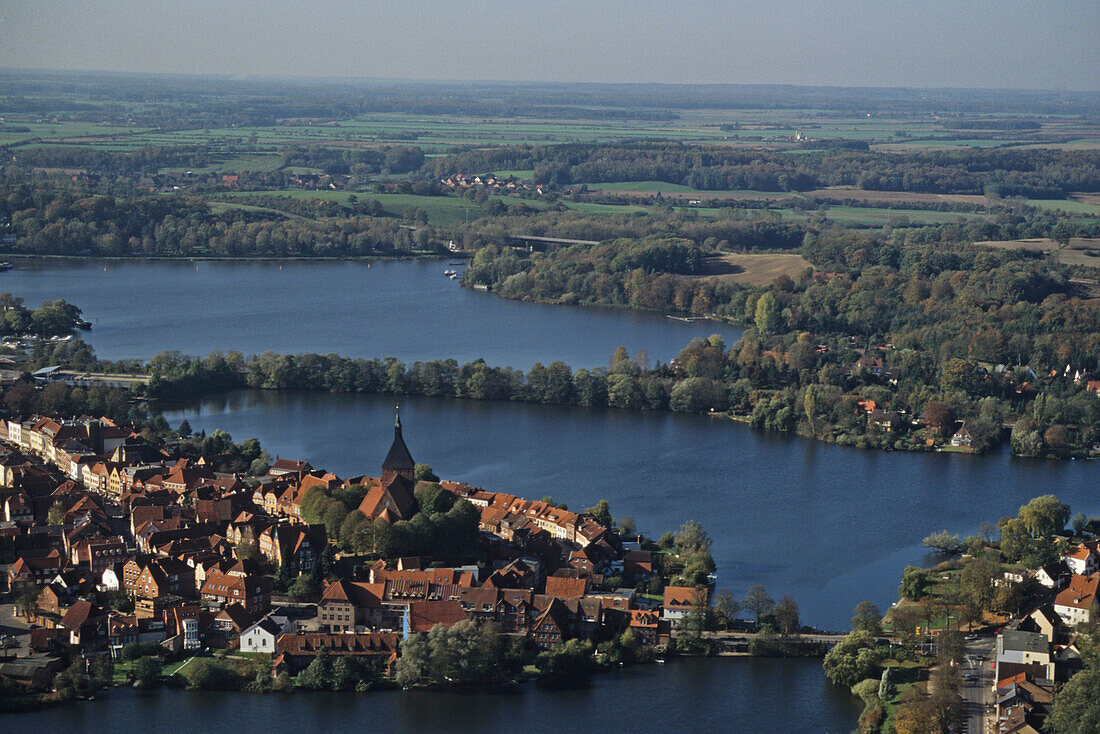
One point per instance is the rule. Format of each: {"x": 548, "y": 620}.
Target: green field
{"x": 654, "y": 186}
{"x": 1067, "y": 205}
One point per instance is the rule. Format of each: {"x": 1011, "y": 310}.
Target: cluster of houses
{"x": 1036, "y": 652}
{"x": 461, "y": 182}
{"x": 92, "y": 515}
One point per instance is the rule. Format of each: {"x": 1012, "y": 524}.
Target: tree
{"x": 768, "y": 318}
{"x": 1076, "y": 706}
{"x": 248, "y": 548}
{"x": 904, "y": 620}
{"x": 943, "y": 541}
{"x": 412, "y": 665}
{"x": 758, "y": 601}
{"x": 886, "y": 687}
{"x": 786, "y": 614}
{"x": 1044, "y": 515}
{"x": 424, "y": 473}
{"x": 56, "y": 515}
{"x": 28, "y": 600}
{"x": 726, "y": 606}
{"x": 976, "y": 582}
{"x": 1079, "y": 522}
{"x": 146, "y": 672}
{"x": 939, "y": 417}
{"x": 601, "y": 513}
{"x": 304, "y": 588}
{"x": 914, "y": 583}
{"x": 852, "y": 659}
{"x": 867, "y": 616}
{"x": 691, "y": 539}
{"x": 569, "y": 663}
{"x": 185, "y": 429}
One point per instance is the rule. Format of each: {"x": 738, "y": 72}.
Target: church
{"x": 392, "y": 498}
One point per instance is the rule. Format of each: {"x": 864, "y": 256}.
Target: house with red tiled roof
{"x": 295, "y": 651}
{"x": 345, "y": 604}
{"x": 35, "y": 569}
{"x": 679, "y": 600}
{"x": 98, "y": 554}
{"x": 423, "y": 615}
{"x": 300, "y": 546}
{"x": 1073, "y": 603}
{"x": 647, "y": 625}
{"x": 281, "y": 467}
{"x": 1083, "y": 559}
{"x": 251, "y": 592}
{"x": 549, "y": 628}
{"x": 565, "y": 587}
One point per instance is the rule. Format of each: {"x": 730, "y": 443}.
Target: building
{"x": 679, "y": 600}
{"x": 1023, "y": 652}
{"x": 293, "y": 652}
{"x": 261, "y": 637}
{"x": 1083, "y": 559}
{"x": 1073, "y": 603}
{"x": 392, "y": 498}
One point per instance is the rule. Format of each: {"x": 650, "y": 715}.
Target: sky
{"x": 1021, "y": 44}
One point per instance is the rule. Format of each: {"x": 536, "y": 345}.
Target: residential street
{"x": 978, "y": 691}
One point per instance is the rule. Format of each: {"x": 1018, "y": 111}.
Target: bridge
{"x": 90, "y": 379}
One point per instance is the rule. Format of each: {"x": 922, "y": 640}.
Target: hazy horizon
{"x": 1042, "y": 45}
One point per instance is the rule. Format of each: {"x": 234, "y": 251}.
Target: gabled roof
{"x": 77, "y": 616}
{"x": 1080, "y": 593}
{"x": 683, "y": 597}
{"x": 566, "y": 588}
{"x": 423, "y": 615}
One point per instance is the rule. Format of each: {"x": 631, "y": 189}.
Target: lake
{"x": 742, "y": 695}
{"x": 392, "y": 308}
{"x": 829, "y": 525}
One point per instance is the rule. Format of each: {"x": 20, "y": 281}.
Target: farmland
{"x": 755, "y": 270}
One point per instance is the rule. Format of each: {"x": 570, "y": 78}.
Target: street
{"x": 977, "y": 692}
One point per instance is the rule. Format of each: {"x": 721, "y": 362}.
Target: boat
{"x": 449, "y": 273}
{"x": 453, "y": 275}
{"x": 6, "y": 266}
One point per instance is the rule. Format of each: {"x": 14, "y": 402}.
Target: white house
{"x": 110, "y": 580}
{"x": 1082, "y": 560}
{"x": 1052, "y": 575}
{"x": 261, "y": 636}
{"x": 1073, "y": 603}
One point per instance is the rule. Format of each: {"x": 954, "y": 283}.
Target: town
{"x": 117, "y": 546}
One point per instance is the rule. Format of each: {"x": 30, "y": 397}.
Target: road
{"x": 978, "y": 693}
{"x": 18, "y": 636}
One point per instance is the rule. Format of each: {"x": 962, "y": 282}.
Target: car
{"x": 970, "y": 638}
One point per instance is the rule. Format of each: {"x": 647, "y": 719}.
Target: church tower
{"x": 399, "y": 462}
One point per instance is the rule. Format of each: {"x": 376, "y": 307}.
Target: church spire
{"x": 398, "y": 459}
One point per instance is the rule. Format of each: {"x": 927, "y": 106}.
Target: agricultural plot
{"x": 752, "y": 268}
{"x": 1080, "y": 250}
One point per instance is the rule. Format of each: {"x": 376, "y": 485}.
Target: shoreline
{"x": 257, "y": 258}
